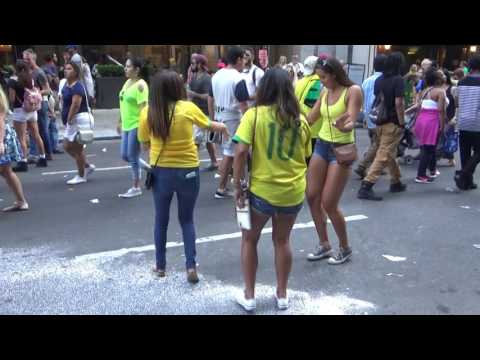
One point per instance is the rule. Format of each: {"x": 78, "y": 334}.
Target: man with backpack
{"x": 86, "y": 77}
{"x": 307, "y": 92}
{"x": 41, "y": 82}
{"x": 389, "y": 93}
{"x": 368, "y": 88}
{"x": 252, "y": 75}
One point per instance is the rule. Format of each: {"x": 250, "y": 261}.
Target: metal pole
{"x": 350, "y": 54}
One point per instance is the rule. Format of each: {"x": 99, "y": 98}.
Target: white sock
{"x": 42, "y": 156}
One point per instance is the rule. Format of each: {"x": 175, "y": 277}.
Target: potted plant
{"x": 109, "y": 84}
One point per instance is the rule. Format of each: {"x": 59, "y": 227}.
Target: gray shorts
{"x": 228, "y": 146}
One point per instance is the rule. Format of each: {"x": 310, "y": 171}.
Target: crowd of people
{"x": 286, "y": 133}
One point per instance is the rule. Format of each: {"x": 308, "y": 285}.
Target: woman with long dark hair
{"x": 280, "y": 140}
{"x": 75, "y": 116}
{"x": 430, "y": 124}
{"x": 23, "y": 119}
{"x": 338, "y": 108}
{"x": 166, "y": 129}
{"x": 133, "y": 98}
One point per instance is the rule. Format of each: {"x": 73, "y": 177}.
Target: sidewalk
{"x": 105, "y": 124}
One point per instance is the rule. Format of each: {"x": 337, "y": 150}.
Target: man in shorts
{"x": 197, "y": 92}
{"x": 229, "y": 95}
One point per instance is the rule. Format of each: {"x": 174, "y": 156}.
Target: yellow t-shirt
{"x": 307, "y": 92}
{"x": 279, "y": 165}
{"x": 328, "y": 117}
{"x": 180, "y": 150}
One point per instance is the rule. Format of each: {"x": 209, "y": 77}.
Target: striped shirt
{"x": 468, "y": 93}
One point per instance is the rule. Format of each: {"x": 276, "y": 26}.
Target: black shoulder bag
{"x": 150, "y": 178}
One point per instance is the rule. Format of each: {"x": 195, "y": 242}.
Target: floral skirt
{"x": 13, "y": 151}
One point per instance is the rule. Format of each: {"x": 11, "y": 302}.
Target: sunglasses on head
{"x": 323, "y": 63}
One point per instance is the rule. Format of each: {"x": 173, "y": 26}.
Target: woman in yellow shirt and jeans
{"x": 338, "y": 108}
{"x": 281, "y": 142}
{"x": 166, "y": 128}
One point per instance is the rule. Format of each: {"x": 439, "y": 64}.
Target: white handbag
{"x": 86, "y": 136}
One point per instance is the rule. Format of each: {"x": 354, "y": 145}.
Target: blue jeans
{"x": 130, "y": 149}
{"x": 43, "y": 122}
{"x": 53, "y": 133}
{"x": 186, "y": 183}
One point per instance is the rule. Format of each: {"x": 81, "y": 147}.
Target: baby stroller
{"x": 408, "y": 141}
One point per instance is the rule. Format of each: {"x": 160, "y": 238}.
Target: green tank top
{"x": 327, "y": 131}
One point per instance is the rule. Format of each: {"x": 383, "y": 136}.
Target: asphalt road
{"x": 65, "y": 256}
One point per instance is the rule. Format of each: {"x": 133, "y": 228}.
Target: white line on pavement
{"x": 100, "y": 169}
{"x": 75, "y": 171}
{"x": 117, "y": 253}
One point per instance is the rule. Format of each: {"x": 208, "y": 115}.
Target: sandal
{"x": 16, "y": 207}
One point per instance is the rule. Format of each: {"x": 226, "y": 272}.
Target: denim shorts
{"x": 266, "y": 208}
{"x": 325, "y": 150}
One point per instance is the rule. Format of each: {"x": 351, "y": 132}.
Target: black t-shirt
{"x": 451, "y": 106}
{"x": 392, "y": 87}
{"x": 201, "y": 86}
{"x": 19, "y": 93}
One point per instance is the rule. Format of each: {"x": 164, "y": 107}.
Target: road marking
{"x": 100, "y": 169}
{"x": 75, "y": 171}
{"x": 118, "y": 253}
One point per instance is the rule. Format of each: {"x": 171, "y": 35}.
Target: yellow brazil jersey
{"x": 328, "y": 115}
{"x": 279, "y": 165}
{"x": 180, "y": 150}
{"x": 307, "y": 92}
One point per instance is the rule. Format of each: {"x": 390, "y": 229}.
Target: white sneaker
{"x": 91, "y": 169}
{"x": 282, "y": 303}
{"x": 77, "y": 180}
{"x": 217, "y": 176}
{"x": 248, "y": 305}
{"x": 133, "y": 192}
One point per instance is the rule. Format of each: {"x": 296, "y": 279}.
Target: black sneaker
{"x": 42, "y": 163}
{"x": 226, "y": 194}
{"x": 366, "y": 192}
{"x": 464, "y": 181}
{"x": 22, "y": 166}
{"x": 473, "y": 186}
{"x": 360, "y": 172}
{"x": 58, "y": 152}
{"x": 398, "y": 187}
{"x": 342, "y": 256}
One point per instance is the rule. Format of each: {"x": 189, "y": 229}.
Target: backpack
{"x": 379, "y": 113}
{"x": 32, "y": 100}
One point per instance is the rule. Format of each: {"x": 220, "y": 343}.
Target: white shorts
{"x": 81, "y": 121}
{"x": 21, "y": 116}
{"x": 229, "y": 146}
